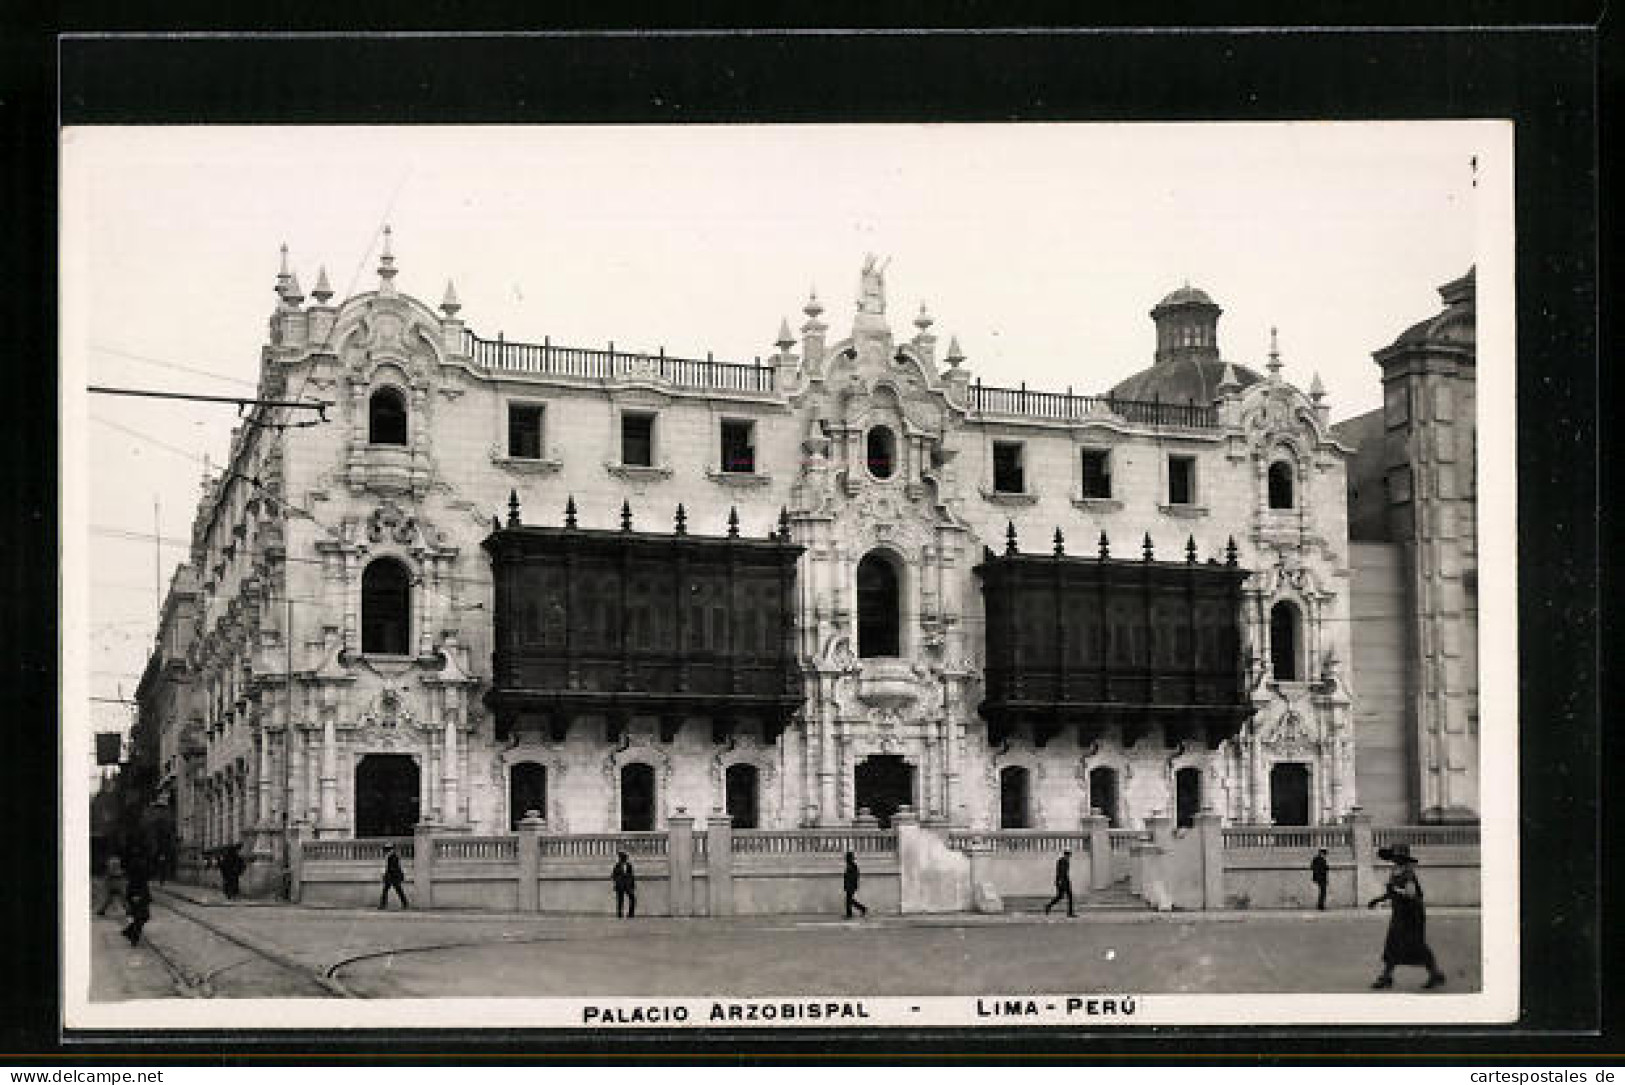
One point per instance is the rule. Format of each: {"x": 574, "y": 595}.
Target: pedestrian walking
{"x": 114, "y": 885}
{"x": 850, "y": 883}
{"x": 1407, "y": 924}
{"x": 138, "y": 900}
{"x": 394, "y": 878}
{"x": 1063, "y": 884}
{"x": 231, "y": 871}
{"x": 625, "y": 881}
{"x": 1318, "y": 869}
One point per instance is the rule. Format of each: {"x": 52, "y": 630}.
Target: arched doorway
{"x": 741, "y": 785}
{"x": 1289, "y": 793}
{"x": 386, "y": 795}
{"x": 527, "y": 791}
{"x": 637, "y": 797}
{"x": 1187, "y": 796}
{"x": 884, "y": 782}
{"x": 879, "y": 617}
{"x": 1103, "y": 792}
{"x": 1014, "y": 798}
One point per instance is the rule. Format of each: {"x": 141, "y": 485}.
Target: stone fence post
{"x": 1098, "y": 827}
{"x": 1210, "y": 832}
{"x": 529, "y": 845}
{"x": 1365, "y": 856}
{"x": 298, "y": 833}
{"x": 680, "y": 861}
{"x": 719, "y": 862}
{"x": 423, "y": 863}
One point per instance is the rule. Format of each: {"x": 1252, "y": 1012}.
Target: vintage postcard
{"x": 789, "y": 576}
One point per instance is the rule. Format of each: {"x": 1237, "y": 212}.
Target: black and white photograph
{"x": 825, "y": 575}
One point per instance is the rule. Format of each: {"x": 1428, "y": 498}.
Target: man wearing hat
{"x": 1407, "y": 925}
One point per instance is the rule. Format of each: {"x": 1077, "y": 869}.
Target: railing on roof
{"x": 1067, "y": 407}
{"x": 549, "y": 360}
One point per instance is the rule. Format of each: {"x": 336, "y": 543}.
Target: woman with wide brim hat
{"x": 1407, "y": 925}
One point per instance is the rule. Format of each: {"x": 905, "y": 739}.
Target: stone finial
{"x": 1190, "y": 550}
{"x": 1228, "y": 384}
{"x": 784, "y": 524}
{"x": 324, "y": 290}
{"x": 282, "y": 276}
{"x": 814, "y": 308}
{"x": 785, "y": 340}
{"x": 386, "y": 266}
{"x": 513, "y": 508}
{"x": 1230, "y": 551}
{"x": 955, "y": 357}
{"x": 570, "y": 512}
{"x": 282, "y": 272}
{"x": 1105, "y": 546}
{"x": 1275, "y": 355}
{"x": 1060, "y": 543}
{"x": 680, "y": 520}
{"x": 294, "y": 295}
{"x": 626, "y": 515}
{"x": 1317, "y": 390}
{"x": 733, "y": 522}
{"x": 1010, "y": 537}
{"x": 496, "y": 524}
{"x": 924, "y": 320}
{"x": 449, "y": 304}
{"x": 1145, "y": 547}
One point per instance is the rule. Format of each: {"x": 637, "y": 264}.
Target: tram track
{"x": 208, "y": 960}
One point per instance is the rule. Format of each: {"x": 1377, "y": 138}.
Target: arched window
{"x": 1281, "y": 485}
{"x": 1013, "y": 798}
{"x": 878, "y": 604}
{"x": 1284, "y": 641}
{"x": 1103, "y": 792}
{"x": 637, "y": 797}
{"x": 386, "y": 417}
{"x": 386, "y": 608}
{"x": 740, "y": 784}
{"x": 527, "y": 791}
{"x": 881, "y": 446}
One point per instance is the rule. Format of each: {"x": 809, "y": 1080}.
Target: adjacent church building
{"x": 810, "y": 590}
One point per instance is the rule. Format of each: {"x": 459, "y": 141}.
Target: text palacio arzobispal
{"x": 833, "y": 1011}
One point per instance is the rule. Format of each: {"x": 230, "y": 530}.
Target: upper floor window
{"x": 1097, "y": 473}
{"x": 638, "y": 440}
{"x": 1181, "y": 480}
{"x": 386, "y": 417}
{"x": 881, "y": 447}
{"x": 1280, "y": 485}
{"x": 525, "y": 431}
{"x": 386, "y": 608}
{"x": 738, "y": 446}
{"x": 1008, "y": 476}
{"x": 879, "y": 602}
{"x": 1284, "y": 641}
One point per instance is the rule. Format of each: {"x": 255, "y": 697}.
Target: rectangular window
{"x": 1007, "y": 473}
{"x": 738, "y": 447}
{"x": 1181, "y": 480}
{"x": 525, "y": 431}
{"x": 638, "y": 440}
{"x": 1097, "y": 474}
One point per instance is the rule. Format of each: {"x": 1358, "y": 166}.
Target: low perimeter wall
{"x": 912, "y": 868}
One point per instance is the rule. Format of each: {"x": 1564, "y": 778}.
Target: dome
{"x": 1454, "y": 327}
{"x": 1185, "y": 295}
{"x": 1182, "y": 380}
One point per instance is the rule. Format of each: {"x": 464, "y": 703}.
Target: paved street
{"x": 250, "y": 949}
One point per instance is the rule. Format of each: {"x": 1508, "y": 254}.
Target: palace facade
{"x": 807, "y": 591}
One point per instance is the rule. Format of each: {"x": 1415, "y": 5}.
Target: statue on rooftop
{"x": 872, "y": 286}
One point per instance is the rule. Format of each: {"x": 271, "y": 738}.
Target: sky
{"x": 1041, "y": 247}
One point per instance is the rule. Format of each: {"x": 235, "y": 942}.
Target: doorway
{"x": 386, "y": 795}
{"x": 527, "y": 791}
{"x": 637, "y": 798}
{"x": 741, "y": 783}
{"x": 1289, "y": 793}
{"x": 1103, "y": 792}
{"x": 1187, "y": 796}
{"x": 884, "y": 782}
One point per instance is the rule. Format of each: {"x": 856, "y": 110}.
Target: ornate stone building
{"x": 502, "y": 576}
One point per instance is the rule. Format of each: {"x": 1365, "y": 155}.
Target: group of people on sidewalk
{"x": 129, "y": 885}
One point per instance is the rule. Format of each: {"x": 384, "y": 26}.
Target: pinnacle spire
{"x": 1317, "y": 390}
{"x": 449, "y": 304}
{"x": 323, "y": 290}
{"x": 1228, "y": 384}
{"x": 814, "y": 308}
{"x": 954, "y": 355}
{"x": 386, "y": 266}
{"x": 1275, "y": 355}
{"x": 924, "y": 320}
{"x": 293, "y": 293}
{"x": 785, "y": 340}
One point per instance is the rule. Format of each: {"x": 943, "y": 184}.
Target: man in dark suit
{"x": 849, "y": 882}
{"x": 138, "y": 899}
{"x": 394, "y": 878}
{"x": 1063, "y": 884}
{"x": 625, "y": 881}
{"x": 1317, "y": 874}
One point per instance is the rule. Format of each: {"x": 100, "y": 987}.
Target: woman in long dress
{"x": 1407, "y": 941}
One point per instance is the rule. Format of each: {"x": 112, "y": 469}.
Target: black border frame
{"x": 1548, "y": 77}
